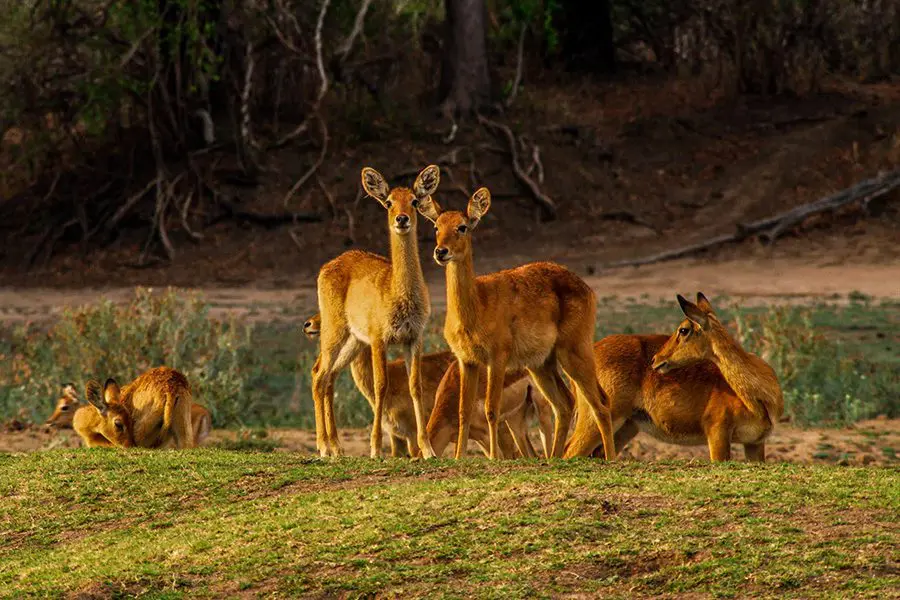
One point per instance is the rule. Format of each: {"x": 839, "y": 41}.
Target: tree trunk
{"x": 465, "y": 80}
{"x": 586, "y": 34}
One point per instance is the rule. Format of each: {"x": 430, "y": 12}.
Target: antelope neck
{"x": 461, "y": 292}
{"x": 406, "y": 269}
{"x": 737, "y": 368}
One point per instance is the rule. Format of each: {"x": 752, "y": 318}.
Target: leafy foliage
{"x": 823, "y": 381}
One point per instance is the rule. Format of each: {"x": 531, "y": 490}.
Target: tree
{"x": 465, "y": 79}
{"x": 586, "y": 35}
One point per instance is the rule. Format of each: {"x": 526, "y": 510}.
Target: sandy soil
{"x": 875, "y": 442}
{"x": 749, "y": 281}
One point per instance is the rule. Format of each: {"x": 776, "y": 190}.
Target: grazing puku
{"x": 103, "y": 423}
{"x": 66, "y": 405}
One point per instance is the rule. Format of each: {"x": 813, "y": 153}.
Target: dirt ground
{"x": 745, "y": 280}
{"x": 638, "y": 176}
{"x": 875, "y": 442}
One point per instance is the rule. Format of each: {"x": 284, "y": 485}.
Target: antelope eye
{"x": 462, "y": 229}
{"x": 119, "y": 425}
{"x": 415, "y": 202}
{"x": 64, "y": 407}
{"x": 435, "y": 229}
{"x": 684, "y": 331}
{"x": 388, "y": 203}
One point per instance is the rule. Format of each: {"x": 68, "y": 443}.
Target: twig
{"x": 351, "y": 226}
{"x": 328, "y": 196}
{"x": 129, "y": 204}
{"x": 776, "y": 225}
{"x": 344, "y": 51}
{"x": 323, "y": 76}
{"x": 517, "y": 80}
{"x": 546, "y": 204}
{"x": 315, "y": 167}
{"x": 185, "y": 207}
{"x": 246, "y": 133}
{"x": 536, "y": 163}
{"x": 297, "y": 243}
{"x": 454, "y": 128}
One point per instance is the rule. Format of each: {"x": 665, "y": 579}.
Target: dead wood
{"x": 548, "y": 207}
{"x": 771, "y": 228}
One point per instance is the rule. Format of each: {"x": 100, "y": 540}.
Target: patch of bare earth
{"x": 873, "y": 442}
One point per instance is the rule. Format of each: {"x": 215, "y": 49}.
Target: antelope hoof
{"x": 426, "y": 449}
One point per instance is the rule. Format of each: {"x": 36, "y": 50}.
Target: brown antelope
{"x": 201, "y": 423}
{"x": 103, "y": 423}
{"x": 159, "y": 402}
{"x": 367, "y": 300}
{"x": 696, "y": 386}
{"x": 66, "y": 406}
{"x": 398, "y": 413}
{"x": 539, "y": 317}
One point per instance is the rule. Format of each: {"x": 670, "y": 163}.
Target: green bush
{"x": 102, "y": 340}
{"x": 823, "y": 381}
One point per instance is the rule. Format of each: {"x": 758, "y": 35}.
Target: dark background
{"x": 220, "y": 142}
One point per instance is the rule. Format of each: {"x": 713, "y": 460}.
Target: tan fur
{"x": 201, "y": 423}
{"x": 160, "y": 402}
{"x": 65, "y": 409}
{"x": 688, "y": 389}
{"x": 398, "y": 414}
{"x": 366, "y": 300}
{"x": 102, "y": 423}
{"x": 517, "y": 406}
{"x": 538, "y": 317}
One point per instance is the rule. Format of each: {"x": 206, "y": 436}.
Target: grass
{"x": 212, "y": 523}
{"x": 838, "y": 363}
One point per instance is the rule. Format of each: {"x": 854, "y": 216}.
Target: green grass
{"x": 838, "y": 363}
{"x": 212, "y": 523}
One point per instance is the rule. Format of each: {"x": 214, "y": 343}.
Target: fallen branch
{"x": 772, "y": 228}
{"x": 547, "y": 205}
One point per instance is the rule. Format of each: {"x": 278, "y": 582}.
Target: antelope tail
{"x": 168, "y": 411}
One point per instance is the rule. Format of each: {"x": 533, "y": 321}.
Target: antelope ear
{"x": 69, "y": 391}
{"x": 93, "y": 395}
{"x": 111, "y": 391}
{"x": 704, "y": 304}
{"x": 427, "y": 182}
{"x": 479, "y": 204}
{"x": 375, "y": 185}
{"x": 429, "y": 208}
{"x": 693, "y": 312}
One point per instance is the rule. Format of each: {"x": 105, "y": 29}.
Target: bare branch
{"x": 546, "y": 204}
{"x": 517, "y": 80}
{"x": 323, "y": 76}
{"x": 344, "y": 51}
{"x": 773, "y": 227}
{"x": 315, "y": 167}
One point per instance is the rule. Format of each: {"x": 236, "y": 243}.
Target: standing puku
{"x": 367, "y": 300}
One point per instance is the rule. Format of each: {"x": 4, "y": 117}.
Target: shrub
{"x": 102, "y": 340}
{"x": 823, "y": 382}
